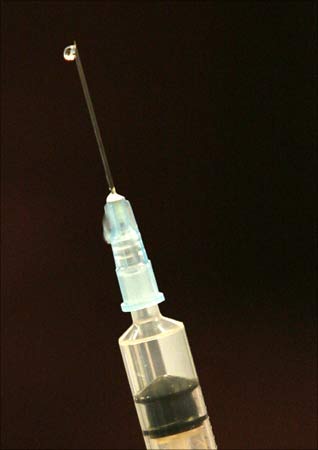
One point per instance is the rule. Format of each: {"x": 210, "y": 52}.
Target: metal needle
{"x": 71, "y": 53}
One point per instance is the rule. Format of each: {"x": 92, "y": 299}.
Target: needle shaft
{"x": 73, "y": 50}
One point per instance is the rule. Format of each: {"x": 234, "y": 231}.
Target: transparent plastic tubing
{"x": 155, "y": 349}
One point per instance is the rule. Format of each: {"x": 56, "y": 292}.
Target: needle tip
{"x": 70, "y": 52}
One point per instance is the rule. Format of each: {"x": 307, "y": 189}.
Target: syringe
{"x": 155, "y": 349}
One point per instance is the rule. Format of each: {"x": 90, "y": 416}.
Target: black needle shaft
{"x": 71, "y": 53}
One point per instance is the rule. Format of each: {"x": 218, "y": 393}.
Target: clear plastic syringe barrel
{"x": 164, "y": 383}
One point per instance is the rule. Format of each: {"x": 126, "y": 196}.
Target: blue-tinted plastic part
{"x": 134, "y": 271}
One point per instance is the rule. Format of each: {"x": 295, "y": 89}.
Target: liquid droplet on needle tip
{"x": 70, "y": 53}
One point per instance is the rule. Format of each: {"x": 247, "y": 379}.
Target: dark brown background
{"x": 208, "y": 113}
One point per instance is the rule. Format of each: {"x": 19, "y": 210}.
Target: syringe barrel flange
{"x": 134, "y": 271}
